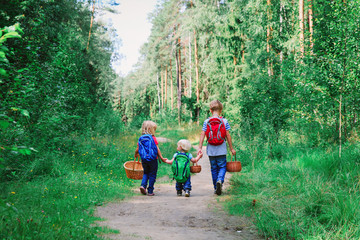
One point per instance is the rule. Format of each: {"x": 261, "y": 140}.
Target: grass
{"x": 55, "y": 198}
{"x": 310, "y": 196}
{"x": 56, "y": 195}
{"x": 299, "y": 195}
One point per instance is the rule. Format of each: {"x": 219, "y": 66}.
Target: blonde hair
{"x": 148, "y": 127}
{"x": 216, "y": 105}
{"x": 184, "y": 144}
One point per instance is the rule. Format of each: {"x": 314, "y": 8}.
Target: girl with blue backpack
{"x": 148, "y": 150}
{"x": 181, "y": 167}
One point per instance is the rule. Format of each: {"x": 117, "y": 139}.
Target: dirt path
{"x": 167, "y": 216}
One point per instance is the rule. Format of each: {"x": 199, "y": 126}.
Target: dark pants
{"x": 150, "y": 171}
{"x": 186, "y": 185}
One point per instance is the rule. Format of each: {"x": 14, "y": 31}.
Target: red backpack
{"x": 215, "y": 131}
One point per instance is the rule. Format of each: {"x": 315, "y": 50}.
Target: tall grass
{"x": 54, "y": 197}
{"x": 308, "y": 196}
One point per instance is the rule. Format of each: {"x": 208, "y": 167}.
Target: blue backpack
{"x": 147, "y": 148}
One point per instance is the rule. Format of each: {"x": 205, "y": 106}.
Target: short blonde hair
{"x": 216, "y": 105}
{"x": 184, "y": 144}
{"x": 148, "y": 127}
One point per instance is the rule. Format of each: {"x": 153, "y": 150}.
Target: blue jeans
{"x": 186, "y": 185}
{"x": 150, "y": 171}
{"x": 218, "y": 168}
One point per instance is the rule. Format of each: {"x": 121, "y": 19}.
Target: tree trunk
{"x": 280, "y": 31}
{"x": 311, "y": 26}
{"x": 91, "y": 23}
{"x": 158, "y": 90}
{"x": 178, "y": 80}
{"x": 268, "y": 36}
{"x": 179, "y": 84}
{"x": 162, "y": 88}
{"x": 197, "y": 79}
{"x": 235, "y": 62}
{"x": 341, "y": 94}
{"x": 243, "y": 38}
{"x": 190, "y": 67}
{"x": 166, "y": 83}
{"x": 301, "y": 22}
{"x": 184, "y": 71}
{"x": 340, "y": 126}
{"x": 171, "y": 87}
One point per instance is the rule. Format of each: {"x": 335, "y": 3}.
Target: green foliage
{"x": 57, "y": 193}
{"x": 52, "y": 83}
{"x": 280, "y": 103}
{"x": 249, "y": 58}
{"x": 307, "y": 196}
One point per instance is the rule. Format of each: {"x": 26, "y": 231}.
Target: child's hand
{"x": 169, "y": 161}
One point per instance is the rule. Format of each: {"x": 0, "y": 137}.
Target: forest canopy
{"x": 281, "y": 68}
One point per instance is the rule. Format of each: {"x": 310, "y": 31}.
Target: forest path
{"x": 168, "y": 216}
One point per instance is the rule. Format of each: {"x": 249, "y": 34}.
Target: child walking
{"x": 181, "y": 166}
{"x": 216, "y": 129}
{"x": 149, "y": 152}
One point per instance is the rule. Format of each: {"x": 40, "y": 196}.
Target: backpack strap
{"x": 181, "y": 153}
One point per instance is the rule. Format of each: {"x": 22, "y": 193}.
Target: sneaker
{"x": 187, "y": 193}
{"x": 143, "y": 190}
{"x": 218, "y": 187}
{"x": 179, "y": 192}
{"x": 151, "y": 194}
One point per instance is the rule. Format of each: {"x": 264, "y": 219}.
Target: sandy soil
{"x": 167, "y": 216}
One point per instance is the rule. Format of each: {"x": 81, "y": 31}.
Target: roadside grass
{"x": 308, "y": 196}
{"x": 55, "y": 197}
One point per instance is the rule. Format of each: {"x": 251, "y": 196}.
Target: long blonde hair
{"x": 148, "y": 127}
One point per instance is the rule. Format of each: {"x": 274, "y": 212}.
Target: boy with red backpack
{"x": 216, "y": 129}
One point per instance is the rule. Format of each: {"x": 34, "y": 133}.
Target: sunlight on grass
{"x": 58, "y": 194}
{"x": 302, "y": 198}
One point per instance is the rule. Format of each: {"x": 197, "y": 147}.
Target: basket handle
{"x": 135, "y": 161}
{"x": 232, "y": 156}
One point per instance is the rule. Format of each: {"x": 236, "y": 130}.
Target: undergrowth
{"x": 54, "y": 197}
{"x": 312, "y": 195}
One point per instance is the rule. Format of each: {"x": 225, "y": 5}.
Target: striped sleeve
{"x": 227, "y": 125}
{"x": 204, "y": 126}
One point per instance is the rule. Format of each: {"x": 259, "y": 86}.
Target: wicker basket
{"x": 134, "y": 169}
{"x": 233, "y": 166}
{"x": 195, "y": 168}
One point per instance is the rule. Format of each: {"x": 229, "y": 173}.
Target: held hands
{"x": 233, "y": 151}
{"x": 167, "y": 161}
{"x": 199, "y": 156}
